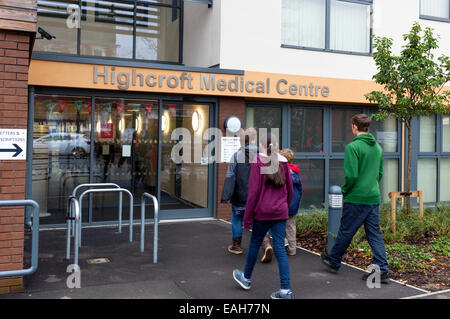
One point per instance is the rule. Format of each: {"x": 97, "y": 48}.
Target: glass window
{"x": 157, "y": 33}
{"x": 52, "y": 16}
{"x": 389, "y": 182}
{"x": 107, "y": 29}
{"x": 427, "y": 134}
{"x": 426, "y": 178}
{"x": 342, "y": 128}
{"x": 435, "y": 8}
{"x": 350, "y": 26}
{"x": 265, "y": 117}
{"x": 445, "y": 180}
{"x": 303, "y": 23}
{"x": 312, "y": 172}
{"x": 61, "y": 148}
{"x": 306, "y": 129}
{"x": 385, "y": 133}
{"x": 141, "y": 29}
{"x": 446, "y": 133}
{"x": 337, "y": 173}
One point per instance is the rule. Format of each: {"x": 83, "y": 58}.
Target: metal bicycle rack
{"x": 74, "y": 194}
{"x": 74, "y": 202}
{"x": 155, "y": 233}
{"x": 34, "y": 238}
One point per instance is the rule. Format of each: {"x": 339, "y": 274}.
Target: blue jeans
{"x": 353, "y": 216}
{"x": 259, "y": 230}
{"x": 236, "y": 221}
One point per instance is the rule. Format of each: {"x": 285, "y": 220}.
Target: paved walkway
{"x": 193, "y": 263}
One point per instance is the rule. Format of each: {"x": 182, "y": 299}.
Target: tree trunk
{"x": 408, "y": 170}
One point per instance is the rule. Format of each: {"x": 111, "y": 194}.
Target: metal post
{"x": 77, "y": 217}
{"x": 155, "y": 233}
{"x": 335, "y": 200}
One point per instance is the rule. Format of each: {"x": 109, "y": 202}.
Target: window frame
{"x": 81, "y": 4}
{"x": 327, "y": 155}
{"x": 437, "y": 155}
{"x": 328, "y": 31}
{"x": 433, "y": 18}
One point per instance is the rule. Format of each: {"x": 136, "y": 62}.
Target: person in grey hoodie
{"x": 235, "y": 188}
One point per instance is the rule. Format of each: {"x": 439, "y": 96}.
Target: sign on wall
{"x": 230, "y": 145}
{"x": 13, "y": 144}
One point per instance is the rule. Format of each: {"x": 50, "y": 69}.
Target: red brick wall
{"x": 14, "y": 60}
{"x": 227, "y": 107}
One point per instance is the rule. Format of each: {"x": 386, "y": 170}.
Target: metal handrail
{"x": 107, "y": 190}
{"x": 34, "y": 238}
{"x": 76, "y": 218}
{"x": 156, "y": 217}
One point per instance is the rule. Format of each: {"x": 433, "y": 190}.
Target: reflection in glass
{"x": 385, "y": 132}
{"x": 52, "y": 16}
{"x": 112, "y": 28}
{"x": 184, "y": 185}
{"x": 427, "y": 134}
{"x": 312, "y": 173}
{"x": 107, "y": 29}
{"x": 157, "y": 33}
{"x": 126, "y": 151}
{"x": 337, "y": 173}
{"x": 61, "y": 148}
{"x": 306, "y": 129}
{"x": 342, "y": 128}
{"x": 265, "y": 117}
{"x": 426, "y": 178}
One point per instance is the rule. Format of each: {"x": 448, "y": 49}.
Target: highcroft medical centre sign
{"x": 244, "y": 84}
{"x": 190, "y": 81}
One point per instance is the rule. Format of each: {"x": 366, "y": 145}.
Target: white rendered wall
{"x": 251, "y": 40}
{"x": 201, "y": 42}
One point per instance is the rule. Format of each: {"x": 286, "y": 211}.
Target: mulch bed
{"x": 436, "y": 278}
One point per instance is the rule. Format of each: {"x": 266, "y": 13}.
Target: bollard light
{"x": 335, "y": 202}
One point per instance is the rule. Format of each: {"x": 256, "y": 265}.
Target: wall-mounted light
{"x": 196, "y": 121}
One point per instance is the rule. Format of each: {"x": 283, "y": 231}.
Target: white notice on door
{"x": 13, "y": 144}
{"x": 126, "y": 150}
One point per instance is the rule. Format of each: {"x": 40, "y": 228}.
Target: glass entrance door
{"x": 185, "y": 171}
{"x": 126, "y": 152}
{"x": 133, "y": 145}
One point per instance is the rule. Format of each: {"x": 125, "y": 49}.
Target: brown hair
{"x": 247, "y": 135}
{"x": 275, "y": 179}
{"x": 288, "y": 153}
{"x": 362, "y": 122}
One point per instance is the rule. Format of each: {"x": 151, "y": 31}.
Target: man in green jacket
{"x": 363, "y": 166}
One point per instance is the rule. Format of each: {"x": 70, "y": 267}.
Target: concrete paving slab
{"x": 193, "y": 263}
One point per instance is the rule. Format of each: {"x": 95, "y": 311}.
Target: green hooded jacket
{"x": 363, "y": 166}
